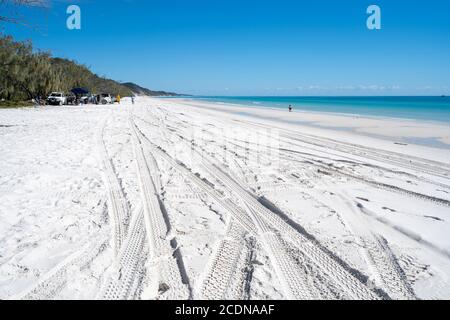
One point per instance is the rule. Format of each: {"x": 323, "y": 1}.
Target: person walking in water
{"x": 290, "y": 108}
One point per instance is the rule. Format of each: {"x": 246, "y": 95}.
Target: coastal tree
{"x": 26, "y": 74}
{"x": 13, "y": 67}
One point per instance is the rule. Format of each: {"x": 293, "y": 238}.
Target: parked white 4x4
{"x": 57, "y": 98}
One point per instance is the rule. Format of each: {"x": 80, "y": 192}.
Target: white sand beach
{"x": 183, "y": 199}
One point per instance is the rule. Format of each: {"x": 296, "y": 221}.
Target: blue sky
{"x": 256, "y": 47}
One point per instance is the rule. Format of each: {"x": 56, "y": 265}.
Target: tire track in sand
{"x": 385, "y": 270}
{"x": 226, "y": 273}
{"x": 291, "y": 275}
{"x": 54, "y": 281}
{"x": 294, "y": 281}
{"x": 273, "y": 244}
{"x": 118, "y": 208}
{"x": 264, "y": 217}
{"x": 381, "y": 261}
{"x": 167, "y": 282}
{"x": 124, "y": 280}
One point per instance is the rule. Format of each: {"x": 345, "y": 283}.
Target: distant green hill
{"x": 138, "y": 90}
{"x": 75, "y": 75}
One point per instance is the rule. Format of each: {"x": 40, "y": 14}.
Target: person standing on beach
{"x": 290, "y": 108}
{"x": 132, "y": 100}
{"x": 118, "y": 98}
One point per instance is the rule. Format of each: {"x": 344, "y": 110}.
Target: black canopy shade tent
{"x": 81, "y": 95}
{"x": 79, "y": 91}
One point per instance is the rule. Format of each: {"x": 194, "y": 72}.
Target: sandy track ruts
{"x": 323, "y": 146}
{"x": 292, "y": 276}
{"x": 273, "y": 245}
{"x": 239, "y": 214}
{"x": 432, "y": 167}
{"x": 226, "y": 273}
{"x": 326, "y": 144}
{"x": 167, "y": 278}
{"x": 367, "y": 165}
{"x": 393, "y": 275}
{"x": 328, "y": 168}
{"x": 292, "y": 271}
{"x": 382, "y": 262}
{"x": 387, "y": 272}
{"x": 127, "y": 272}
{"x": 393, "y": 279}
{"x": 335, "y": 271}
{"x": 327, "y": 154}
{"x": 118, "y": 208}
{"x": 332, "y": 147}
{"x": 379, "y": 257}
{"x": 296, "y": 289}
{"x": 380, "y": 185}
{"x": 53, "y": 281}
{"x": 384, "y": 266}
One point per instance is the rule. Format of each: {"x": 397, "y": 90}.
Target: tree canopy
{"x": 26, "y": 74}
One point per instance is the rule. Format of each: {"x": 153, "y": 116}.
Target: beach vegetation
{"x": 26, "y": 74}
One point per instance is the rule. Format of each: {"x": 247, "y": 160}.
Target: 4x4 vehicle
{"x": 104, "y": 98}
{"x": 57, "y": 98}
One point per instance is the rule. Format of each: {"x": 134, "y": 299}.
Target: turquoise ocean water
{"x": 418, "y": 108}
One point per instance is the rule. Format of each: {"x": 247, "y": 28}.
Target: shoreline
{"x": 343, "y": 114}
{"x": 297, "y": 108}
{"x": 425, "y": 133}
